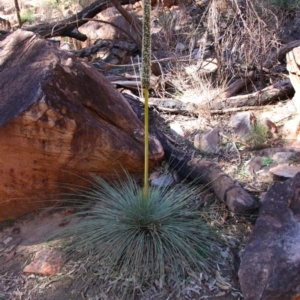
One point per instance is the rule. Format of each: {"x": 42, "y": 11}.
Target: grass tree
{"x": 147, "y": 233}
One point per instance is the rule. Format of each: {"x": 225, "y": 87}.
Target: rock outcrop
{"x": 60, "y": 120}
{"x": 270, "y": 265}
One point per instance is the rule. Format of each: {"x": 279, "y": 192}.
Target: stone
{"x": 270, "y": 264}
{"x": 67, "y": 47}
{"x": 269, "y": 152}
{"x": 45, "y": 262}
{"x": 164, "y": 180}
{"x": 180, "y": 47}
{"x": 207, "y": 66}
{"x": 291, "y": 129}
{"x": 190, "y": 126}
{"x": 208, "y": 142}
{"x": 293, "y": 63}
{"x": 254, "y": 165}
{"x": 284, "y": 170}
{"x": 282, "y": 157}
{"x": 241, "y": 123}
{"x": 192, "y": 69}
{"x": 176, "y": 130}
{"x": 60, "y": 120}
{"x": 271, "y": 126}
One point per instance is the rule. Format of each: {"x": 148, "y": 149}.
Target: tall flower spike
{"x": 146, "y": 72}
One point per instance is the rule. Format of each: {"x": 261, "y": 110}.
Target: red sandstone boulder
{"x": 60, "y": 120}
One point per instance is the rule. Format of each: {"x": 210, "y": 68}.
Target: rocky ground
{"x": 256, "y": 147}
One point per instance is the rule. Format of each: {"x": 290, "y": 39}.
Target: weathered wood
{"x": 235, "y": 109}
{"x": 236, "y": 86}
{"x": 134, "y": 22}
{"x": 69, "y": 27}
{"x": 287, "y": 48}
{"x": 60, "y": 120}
{"x": 208, "y": 173}
{"x": 125, "y": 45}
{"x": 279, "y": 91}
{"x": 279, "y": 55}
{"x": 136, "y": 84}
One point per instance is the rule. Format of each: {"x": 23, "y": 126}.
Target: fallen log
{"x": 69, "y": 27}
{"x": 279, "y": 91}
{"x": 279, "y": 55}
{"x": 205, "y": 172}
{"x": 124, "y": 45}
{"x": 134, "y": 22}
{"x": 236, "y": 86}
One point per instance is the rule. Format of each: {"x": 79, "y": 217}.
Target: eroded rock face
{"x": 59, "y": 121}
{"x": 270, "y": 266}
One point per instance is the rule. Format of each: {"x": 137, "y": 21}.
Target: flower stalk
{"x": 146, "y": 72}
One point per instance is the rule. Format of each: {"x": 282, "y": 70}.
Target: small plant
{"x": 27, "y": 16}
{"x": 294, "y": 159}
{"x": 10, "y": 222}
{"x": 241, "y": 172}
{"x": 258, "y": 136}
{"x": 266, "y": 161}
{"x": 148, "y": 240}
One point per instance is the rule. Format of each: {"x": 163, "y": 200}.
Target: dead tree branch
{"x": 133, "y": 21}
{"x": 69, "y": 27}
{"x": 236, "y": 86}
{"x": 278, "y": 91}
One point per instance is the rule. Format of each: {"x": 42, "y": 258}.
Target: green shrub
{"x": 266, "y": 161}
{"x": 258, "y": 136}
{"x": 10, "y": 222}
{"x": 27, "y": 16}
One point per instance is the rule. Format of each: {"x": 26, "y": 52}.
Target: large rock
{"x": 270, "y": 266}
{"x": 293, "y": 66}
{"x": 60, "y": 120}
